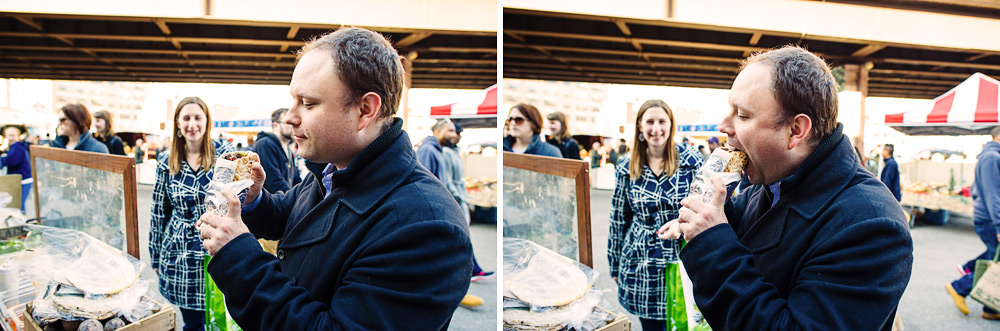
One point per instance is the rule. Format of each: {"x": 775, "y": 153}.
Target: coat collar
{"x": 508, "y": 144}
{"x": 373, "y": 173}
{"x": 811, "y": 188}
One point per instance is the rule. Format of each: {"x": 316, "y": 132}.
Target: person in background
{"x": 622, "y": 150}
{"x": 985, "y": 220}
{"x": 595, "y": 155}
{"x": 139, "y": 151}
{"x": 890, "y": 173}
{"x": 612, "y": 155}
{"x": 455, "y": 183}
{"x": 648, "y": 192}
{"x": 525, "y": 124}
{"x": 560, "y": 137}
{"x": 183, "y": 174}
{"x": 429, "y": 153}
{"x": 713, "y": 143}
{"x": 17, "y": 160}
{"x": 703, "y": 151}
{"x": 105, "y": 134}
{"x": 72, "y": 131}
{"x": 276, "y": 154}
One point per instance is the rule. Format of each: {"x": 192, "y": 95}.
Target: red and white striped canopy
{"x": 484, "y": 105}
{"x": 968, "y": 109}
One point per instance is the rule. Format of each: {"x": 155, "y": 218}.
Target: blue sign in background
{"x": 698, "y": 128}
{"x": 242, "y": 123}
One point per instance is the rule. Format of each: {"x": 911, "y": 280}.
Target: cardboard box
{"x": 163, "y": 319}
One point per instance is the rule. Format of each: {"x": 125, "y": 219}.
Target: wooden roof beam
{"x": 29, "y": 21}
{"x": 160, "y": 23}
{"x": 646, "y": 41}
{"x": 629, "y": 53}
{"x": 292, "y": 31}
{"x": 868, "y": 50}
{"x": 413, "y": 38}
{"x": 980, "y": 66}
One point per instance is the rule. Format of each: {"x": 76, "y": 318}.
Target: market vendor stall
{"x": 477, "y": 112}
{"x": 970, "y": 108}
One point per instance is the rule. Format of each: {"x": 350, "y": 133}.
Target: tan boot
{"x": 473, "y": 301}
{"x": 959, "y": 300}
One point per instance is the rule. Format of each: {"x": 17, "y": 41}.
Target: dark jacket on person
{"x": 834, "y": 252}
{"x": 890, "y": 177}
{"x": 114, "y": 144}
{"x": 569, "y": 148}
{"x": 17, "y": 160}
{"x": 536, "y": 147}
{"x": 87, "y": 143}
{"x": 281, "y": 173}
{"x": 986, "y": 186}
{"x": 430, "y": 156}
{"x": 386, "y": 249}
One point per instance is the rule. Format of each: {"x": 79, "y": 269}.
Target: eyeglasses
{"x": 517, "y": 120}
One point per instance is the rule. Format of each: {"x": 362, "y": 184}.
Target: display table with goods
{"x": 482, "y": 195}
{"x": 933, "y": 204}
{"x": 68, "y": 269}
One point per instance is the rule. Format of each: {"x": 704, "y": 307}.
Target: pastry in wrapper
{"x": 242, "y": 163}
{"x": 737, "y": 161}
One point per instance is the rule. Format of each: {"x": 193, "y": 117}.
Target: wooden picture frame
{"x": 576, "y": 170}
{"x": 116, "y": 164}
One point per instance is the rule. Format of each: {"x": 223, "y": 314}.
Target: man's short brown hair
{"x": 802, "y": 84}
{"x": 366, "y": 62}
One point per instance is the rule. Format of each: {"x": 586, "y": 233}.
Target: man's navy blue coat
{"x": 834, "y": 253}
{"x": 388, "y": 249}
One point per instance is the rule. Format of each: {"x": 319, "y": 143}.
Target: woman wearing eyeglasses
{"x": 649, "y": 188}
{"x": 72, "y": 132}
{"x": 524, "y": 125}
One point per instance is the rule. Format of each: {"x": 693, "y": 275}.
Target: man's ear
{"x": 370, "y": 104}
{"x": 801, "y": 125}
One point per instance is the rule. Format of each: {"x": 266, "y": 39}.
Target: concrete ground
{"x": 925, "y": 304}
{"x": 484, "y": 241}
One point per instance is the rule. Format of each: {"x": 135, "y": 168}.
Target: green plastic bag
{"x": 677, "y": 318}
{"x": 681, "y": 315}
{"x": 217, "y": 317}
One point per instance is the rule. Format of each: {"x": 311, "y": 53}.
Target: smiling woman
{"x": 182, "y": 178}
{"x": 648, "y": 193}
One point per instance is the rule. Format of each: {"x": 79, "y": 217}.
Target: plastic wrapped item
{"x": 232, "y": 172}
{"x": 86, "y": 278}
{"x": 541, "y": 277}
{"x": 580, "y": 314}
{"x": 64, "y": 302}
{"x": 720, "y": 164}
{"x": 142, "y": 309}
{"x": 75, "y": 258}
{"x": 10, "y": 216}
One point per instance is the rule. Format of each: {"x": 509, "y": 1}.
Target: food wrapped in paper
{"x": 232, "y": 172}
{"x": 725, "y": 163}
